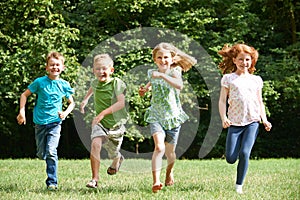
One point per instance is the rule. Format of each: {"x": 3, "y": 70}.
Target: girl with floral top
{"x": 165, "y": 115}
{"x": 243, "y": 92}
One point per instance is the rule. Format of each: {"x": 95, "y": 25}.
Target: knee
{"x": 160, "y": 148}
{"x": 231, "y": 159}
{"x": 170, "y": 154}
{"x": 244, "y": 155}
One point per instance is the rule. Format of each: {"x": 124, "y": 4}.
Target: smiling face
{"x": 243, "y": 62}
{"x": 102, "y": 72}
{"x": 54, "y": 68}
{"x": 163, "y": 59}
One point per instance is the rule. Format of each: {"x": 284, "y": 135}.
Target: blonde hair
{"x": 228, "y": 53}
{"x": 104, "y": 59}
{"x": 180, "y": 58}
{"x": 56, "y": 55}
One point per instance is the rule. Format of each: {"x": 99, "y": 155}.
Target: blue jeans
{"x": 47, "y": 139}
{"x": 239, "y": 143}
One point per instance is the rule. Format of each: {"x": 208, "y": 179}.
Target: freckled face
{"x": 163, "y": 60}
{"x": 103, "y": 73}
{"x": 243, "y": 62}
{"x": 54, "y": 67}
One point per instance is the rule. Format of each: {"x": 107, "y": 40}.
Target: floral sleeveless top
{"x": 165, "y": 104}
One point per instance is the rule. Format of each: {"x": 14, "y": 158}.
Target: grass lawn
{"x": 194, "y": 179}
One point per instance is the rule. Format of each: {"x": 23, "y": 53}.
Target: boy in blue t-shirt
{"x": 48, "y": 113}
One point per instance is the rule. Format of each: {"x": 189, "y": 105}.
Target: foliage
{"x": 30, "y": 29}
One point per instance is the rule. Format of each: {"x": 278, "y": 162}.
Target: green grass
{"x": 194, "y": 179}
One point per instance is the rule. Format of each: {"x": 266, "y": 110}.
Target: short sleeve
{"x": 176, "y": 70}
{"x": 149, "y": 73}
{"x": 33, "y": 87}
{"x": 119, "y": 86}
{"x": 225, "y": 81}
{"x": 68, "y": 90}
{"x": 260, "y": 82}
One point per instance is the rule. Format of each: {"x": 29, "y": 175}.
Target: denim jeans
{"x": 239, "y": 143}
{"x": 171, "y": 135}
{"x": 47, "y": 139}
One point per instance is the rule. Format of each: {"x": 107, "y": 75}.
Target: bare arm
{"x": 175, "y": 81}
{"x": 86, "y": 99}
{"x": 21, "y": 118}
{"x": 143, "y": 90}
{"x": 110, "y": 110}
{"x": 69, "y": 109}
{"x": 222, "y": 107}
{"x": 263, "y": 115}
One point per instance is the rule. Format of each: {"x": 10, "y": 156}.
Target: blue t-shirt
{"x": 49, "y": 99}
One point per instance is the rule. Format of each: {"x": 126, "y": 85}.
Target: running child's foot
{"x": 156, "y": 188}
{"x": 239, "y": 189}
{"x": 92, "y": 184}
{"x": 169, "y": 180}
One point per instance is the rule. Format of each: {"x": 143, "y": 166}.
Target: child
{"x": 165, "y": 114}
{"x": 108, "y": 126}
{"x": 47, "y": 113}
{"x": 246, "y": 108}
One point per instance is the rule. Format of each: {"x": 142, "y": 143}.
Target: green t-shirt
{"x": 105, "y": 95}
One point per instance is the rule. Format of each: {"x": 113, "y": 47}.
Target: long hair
{"x": 228, "y": 53}
{"x": 180, "y": 58}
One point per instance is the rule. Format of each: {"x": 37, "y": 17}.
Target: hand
{"x": 267, "y": 125}
{"x": 156, "y": 74}
{"x": 96, "y": 120}
{"x": 62, "y": 115}
{"x": 226, "y": 123}
{"x": 82, "y": 105}
{"x": 142, "y": 91}
{"x": 21, "y": 118}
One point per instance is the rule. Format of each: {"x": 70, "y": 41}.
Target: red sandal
{"x": 156, "y": 188}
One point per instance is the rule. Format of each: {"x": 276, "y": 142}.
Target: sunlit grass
{"x": 194, "y": 179}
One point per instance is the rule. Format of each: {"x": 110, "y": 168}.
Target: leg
{"x": 40, "y": 139}
{"x": 113, "y": 147}
{"x": 158, "y": 153}
{"x": 95, "y": 157}
{"x": 171, "y": 141}
{"x": 52, "y": 141}
{"x": 248, "y": 140}
{"x": 233, "y": 143}
{"x": 171, "y": 157}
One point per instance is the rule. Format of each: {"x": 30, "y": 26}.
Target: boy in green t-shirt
{"x": 108, "y": 125}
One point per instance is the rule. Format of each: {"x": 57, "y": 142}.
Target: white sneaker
{"x": 239, "y": 189}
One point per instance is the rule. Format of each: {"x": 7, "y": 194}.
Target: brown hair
{"x": 180, "y": 58}
{"x": 228, "y": 53}
{"x": 56, "y": 55}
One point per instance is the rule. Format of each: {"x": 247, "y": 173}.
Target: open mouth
{"x": 55, "y": 70}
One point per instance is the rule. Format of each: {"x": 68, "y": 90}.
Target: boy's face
{"x": 163, "y": 60}
{"x": 102, "y": 72}
{"x": 54, "y": 68}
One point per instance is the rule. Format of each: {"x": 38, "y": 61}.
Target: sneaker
{"x": 51, "y": 187}
{"x": 239, "y": 189}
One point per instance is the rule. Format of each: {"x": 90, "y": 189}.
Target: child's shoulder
{"x": 229, "y": 76}
{"x": 118, "y": 81}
